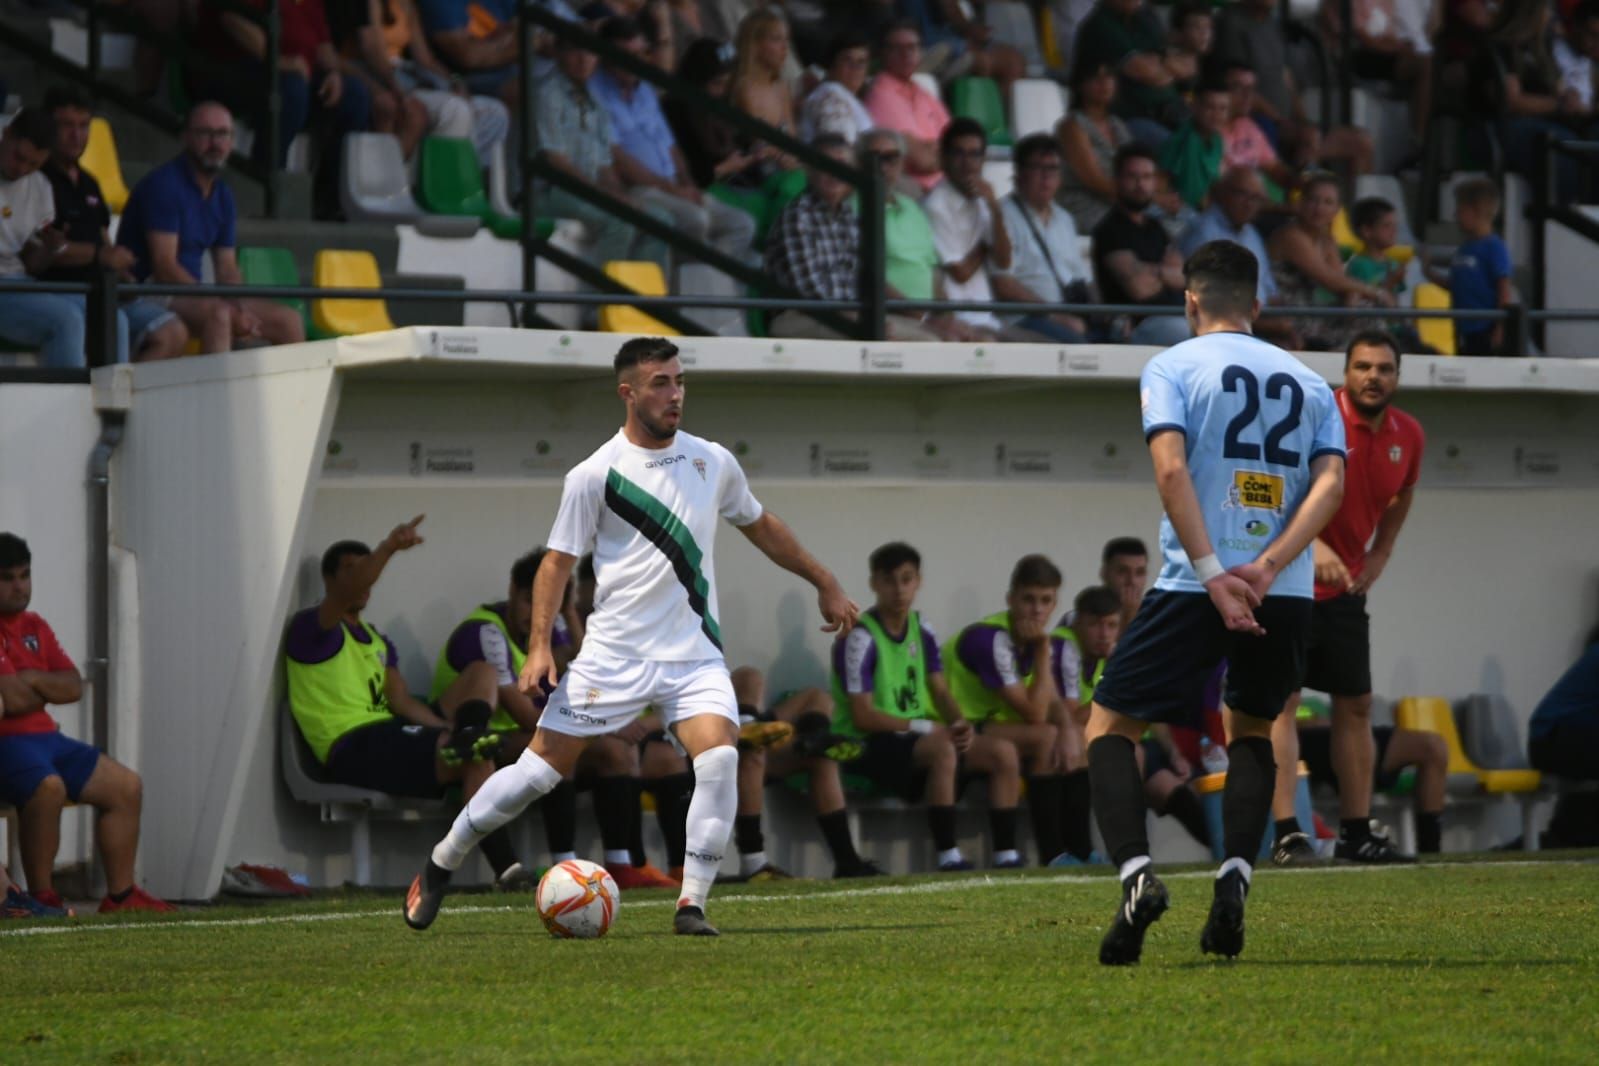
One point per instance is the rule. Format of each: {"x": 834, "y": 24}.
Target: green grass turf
{"x": 1446, "y": 962}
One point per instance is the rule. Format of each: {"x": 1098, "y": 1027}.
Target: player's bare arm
{"x": 1232, "y": 595}
{"x": 365, "y": 571}
{"x": 1382, "y": 545}
{"x": 1330, "y": 570}
{"x": 53, "y": 686}
{"x": 19, "y": 696}
{"x": 960, "y": 729}
{"x": 1320, "y": 504}
{"x": 778, "y": 543}
{"x": 868, "y": 719}
{"x": 404, "y": 705}
{"x": 549, "y": 589}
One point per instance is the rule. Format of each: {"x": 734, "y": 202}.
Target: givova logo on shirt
{"x": 1253, "y": 489}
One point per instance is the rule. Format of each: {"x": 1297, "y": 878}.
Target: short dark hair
{"x": 335, "y": 554}
{"x": 1034, "y": 145}
{"x": 34, "y": 125}
{"x": 1475, "y": 192}
{"x": 1368, "y": 212}
{"x": 66, "y": 96}
{"x": 1097, "y": 601}
{"x": 1129, "y": 152}
{"x": 961, "y": 127}
{"x": 621, "y": 28}
{"x": 850, "y": 38}
{"x": 1231, "y": 65}
{"x": 642, "y": 350}
{"x": 1224, "y": 277}
{"x": 1321, "y": 177}
{"x": 525, "y": 569}
{"x": 828, "y": 141}
{"x": 898, "y": 26}
{"x": 892, "y": 556}
{"x": 1373, "y": 338}
{"x": 1035, "y": 572}
{"x": 1181, "y": 13}
{"x": 1083, "y": 71}
{"x": 13, "y": 551}
{"x": 1122, "y": 546}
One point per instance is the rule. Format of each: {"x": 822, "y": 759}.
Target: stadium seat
{"x": 100, "y": 159}
{"x": 1432, "y": 714}
{"x": 347, "y": 270}
{"x": 375, "y": 185}
{"x": 274, "y": 266}
{"x": 1488, "y": 732}
{"x": 1439, "y": 333}
{"x": 698, "y": 279}
{"x": 1001, "y": 175}
{"x": 1036, "y": 105}
{"x": 1012, "y": 24}
{"x": 978, "y": 98}
{"x": 450, "y": 182}
{"x": 646, "y": 279}
{"x": 1049, "y": 40}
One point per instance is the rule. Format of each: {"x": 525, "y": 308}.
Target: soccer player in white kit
{"x": 646, "y": 503}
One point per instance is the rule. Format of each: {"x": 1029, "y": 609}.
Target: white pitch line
{"x": 923, "y": 888}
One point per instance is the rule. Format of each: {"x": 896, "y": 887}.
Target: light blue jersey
{"x": 1254, "y": 418}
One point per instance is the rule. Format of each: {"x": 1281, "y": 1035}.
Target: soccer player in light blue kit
{"x": 1248, "y": 448}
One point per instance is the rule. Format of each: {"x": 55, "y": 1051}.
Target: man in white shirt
{"x": 1046, "y": 261}
{"x": 968, "y": 227}
{"x": 646, "y": 503}
{"x": 1575, "y": 54}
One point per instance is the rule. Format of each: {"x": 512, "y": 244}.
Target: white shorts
{"x": 601, "y": 693}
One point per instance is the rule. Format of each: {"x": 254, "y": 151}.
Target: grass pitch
{"x": 1442, "y": 962}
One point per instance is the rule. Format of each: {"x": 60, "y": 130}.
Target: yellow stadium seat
{"x": 1432, "y": 714}
{"x": 646, "y": 279}
{"x": 1047, "y": 41}
{"x": 347, "y": 270}
{"x": 1438, "y": 333}
{"x": 100, "y": 159}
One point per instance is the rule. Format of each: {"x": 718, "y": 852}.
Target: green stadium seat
{"x": 274, "y": 266}
{"x": 979, "y": 99}
{"x": 450, "y": 182}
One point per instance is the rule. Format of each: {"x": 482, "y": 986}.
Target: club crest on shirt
{"x": 699, "y": 468}
{"x": 1394, "y": 453}
{"x": 1255, "y": 490}
{"x": 31, "y": 642}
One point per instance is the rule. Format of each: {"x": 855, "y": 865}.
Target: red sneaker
{"x": 137, "y": 899}
{"x": 51, "y": 898}
{"x": 646, "y": 876}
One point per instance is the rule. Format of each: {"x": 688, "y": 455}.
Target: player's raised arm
{"x": 365, "y": 571}
{"x": 778, "y": 543}
{"x": 549, "y": 589}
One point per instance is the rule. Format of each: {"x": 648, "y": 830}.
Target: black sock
{"x": 612, "y": 795}
{"x": 941, "y": 821}
{"x": 1002, "y": 827}
{"x": 672, "y": 794}
{"x": 747, "y": 834}
{"x": 1246, "y": 800}
{"x": 1118, "y": 794}
{"x": 835, "y": 830}
{"x": 1429, "y": 832}
{"x": 1285, "y": 826}
{"x": 558, "y": 808}
{"x": 497, "y": 849}
{"x": 118, "y": 897}
{"x": 813, "y": 722}
{"x": 635, "y": 825}
{"x": 1043, "y": 807}
{"x": 1185, "y": 806}
{"x": 1076, "y": 814}
{"x": 1354, "y": 830}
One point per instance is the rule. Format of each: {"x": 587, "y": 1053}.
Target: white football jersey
{"x": 649, "y": 515}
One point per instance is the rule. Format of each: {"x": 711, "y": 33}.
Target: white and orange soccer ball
{"x": 577, "y": 898}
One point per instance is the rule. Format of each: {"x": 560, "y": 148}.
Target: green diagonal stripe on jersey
{"x": 667, "y": 532}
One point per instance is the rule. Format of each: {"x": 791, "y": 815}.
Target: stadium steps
{"x": 305, "y": 238}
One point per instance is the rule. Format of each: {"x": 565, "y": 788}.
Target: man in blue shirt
{"x": 180, "y": 212}
{"x": 1248, "y": 447}
{"x": 646, "y": 157}
{"x": 1235, "y": 202}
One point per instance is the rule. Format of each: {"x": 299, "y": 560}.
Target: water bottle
{"x": 1212, "y": 756}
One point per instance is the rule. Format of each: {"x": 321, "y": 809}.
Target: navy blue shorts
{"x": 1163, "y": 662}
{"x": 27, "y": 759}
{"x": 396, "y": 757}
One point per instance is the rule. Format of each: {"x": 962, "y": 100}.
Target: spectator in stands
{"x": 896, "y": 102}
{"x": 1193, "y": 32}
{"x": 154, "y": 331}
{"x": 835, "y": 105}
{"x": 1563, "y": 739}
{"x": 40, "y": 769}
{"x": 1575, "y": 54}
{"x": 355, "y": 712}
{"x": 709, "y": 145}
{"x": 1124, "y": 567}
{"x": 646, "y": 158}
{"x": 1192, "y": 155}
{"x": 310, "y": 85}
{"x": 1479, "y": 275}
{"x": 1235, "y": 201}
{"x": 182, "y": 211}
{"x": 413, "y": 94}
{"x": 1375, "y": 222}
{"x": 1244, "y": 143}
{"x": 889, "y": 690}
{"x": 968, "y": 225}
{"x": 1394, "y": 749}
{"x": 30, "y": 241}
{"x": 1090, "y": 136}
{"x": 814, "y": 752}
{"x": 1536, "y": 104}
{"x": 958, "y": 45}
{"x": 575, "y": 137}
{"x": 1250, "y": 32}
{"x": 814, "y": 250}
{"x": 760, "y": 88}
{"x": 477, "y": 39}
{"x": 1135, "y": 261}
{"x": 1129, "y": 37}
{"x": 1046, "y": 260}
{"x": 1309, "y": 268}
{"x": 911, "y": 265}
{"x": 1387, "y": 49}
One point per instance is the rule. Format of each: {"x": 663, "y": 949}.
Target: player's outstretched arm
{"x": 1320, "y": 504}
{"x": 1232, "y": 595}
{"x": 549, "y": 589}
{"x": 366, "y": 571}
{"x": 778, "y": 543}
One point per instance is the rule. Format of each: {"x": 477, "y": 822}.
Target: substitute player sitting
{"x": 646, "y": 502}
{"x": 1248, "y": 449}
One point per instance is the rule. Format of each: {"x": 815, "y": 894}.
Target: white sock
{"x": 1008, "y": 855}
{"x": 952, "y": 855}
{"x": 503, "y": 796}
{"x": 748, "y": 864}
{"x": 1132, "y": 866}
{"x": 619, "y": 858}
{"x": 710, "y": 821}
{"x": 559, "y": 857}
{"x": 1235, "y": 864}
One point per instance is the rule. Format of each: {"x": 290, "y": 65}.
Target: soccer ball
{"x": 577, "y": 898}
